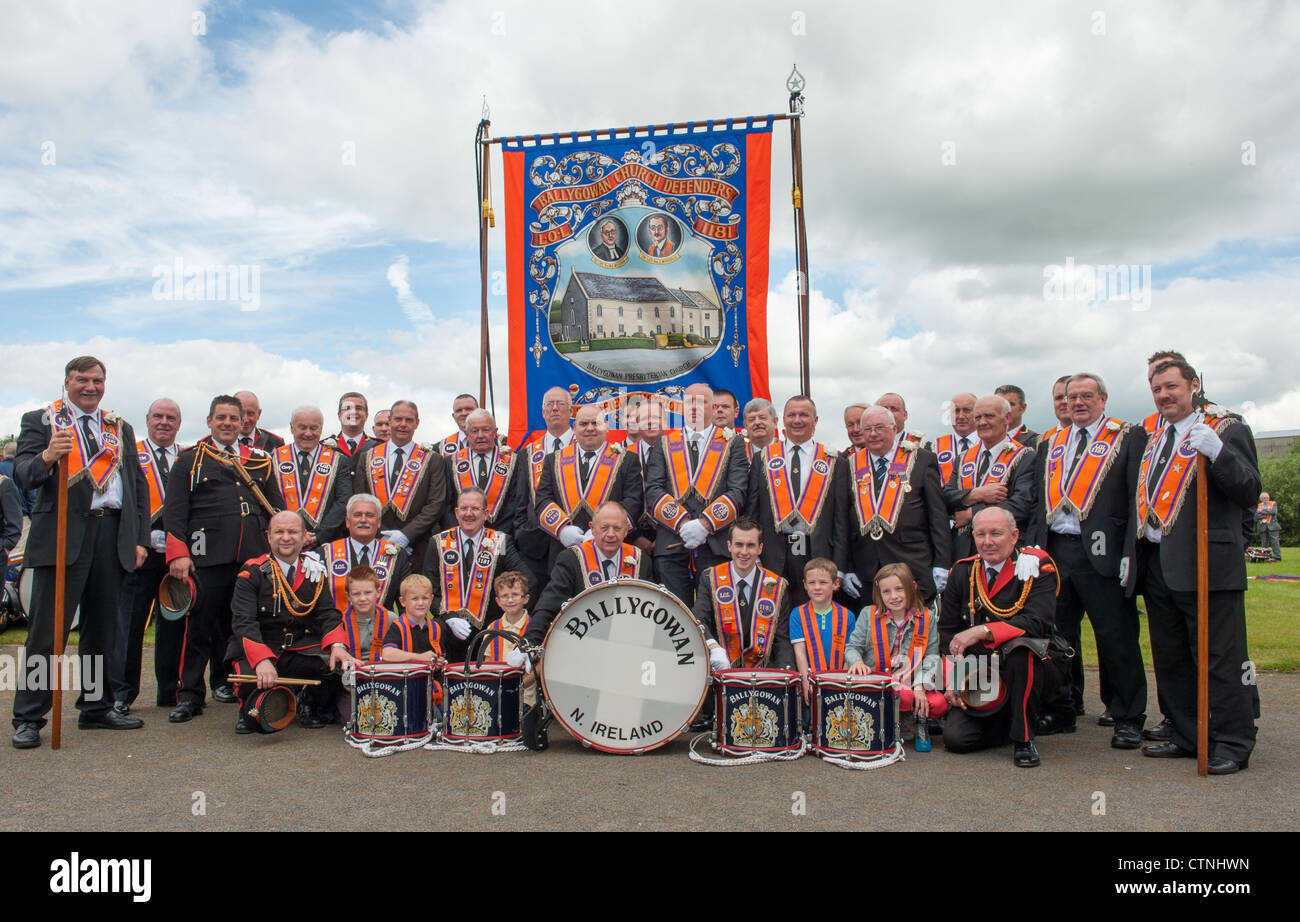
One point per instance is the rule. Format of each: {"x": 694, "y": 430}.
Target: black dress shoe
{"x": 307, "y": 717}
{"x": 225, "y": 694}
{"x": 1161, "y": 732}
{"x": 1167, "y": 751}
{"x": 244, "y": 725}
{"x": 1079, "y": 711}
{"x": 121, "y": 707}
{"x": 1126, "y": 736}
{"x": 701, "y": 725}
{"x": 1026, "y": 755}
{"x": 1222, "y": 766}
{"x": 27, "y": 736}
{"x": 1061, "y": 722}
{"x": 1105, "y": 720}
{"x": 186, "y": 710}
{"x": 109, "y": 720}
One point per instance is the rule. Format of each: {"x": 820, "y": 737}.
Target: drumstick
{"x": 278, "y": 681}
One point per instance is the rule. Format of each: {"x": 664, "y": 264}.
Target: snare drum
{"x": 756, "y": 710}
{"x": 624, "y": 666}
{"x": 391, "y": 702}
{"x": 483, "y": 703}
{"x": 853, "y": 716}
{"x": 271, "y": 709}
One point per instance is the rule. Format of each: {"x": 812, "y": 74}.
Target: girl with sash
{"x": 820, "y": 628}
{"x": 896, "y": 636}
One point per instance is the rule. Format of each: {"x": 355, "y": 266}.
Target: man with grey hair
{"x": 534, "y": 543}
{"x": 362, "y": 546}
{"x": 483, "y": 462}
{"x": 852, "y": 414}
{"x": 250, "y": 436}
{"x": 315, "y": 479}
{"x": 1083, "y": 512}
{"x": 760, "y": 425}
{"x": 995, "y": 471}
{"x": 950, "y": 446}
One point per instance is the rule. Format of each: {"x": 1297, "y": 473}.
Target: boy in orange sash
{"x": 364, "y": 624}
{"x": 511, "y": 591}
{"x": 820, "y": 628}
{"x": 412, "y": 637}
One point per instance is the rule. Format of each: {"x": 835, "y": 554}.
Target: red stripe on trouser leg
{"x": 1024, "y": 704}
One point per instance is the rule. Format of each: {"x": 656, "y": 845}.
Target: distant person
{"x": 1268, "y": 530}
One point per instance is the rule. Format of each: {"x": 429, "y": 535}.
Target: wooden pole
{"x": 60, "y": 602}
{"x": 1202, "y": 619}
{"x": 800, "y": 252}
{"x": 485, "y": 213}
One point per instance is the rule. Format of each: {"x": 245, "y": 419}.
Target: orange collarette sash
{"x": 338, "y": 562}
{"x": 820, "y": 659}
{"x": 497, "y": 646}
{"x": 474, "y": 600}
{"x": 592, "y": 572}
{"x": 1153, "y": 423}
{"x": 1076, "y": 494}
{"x": 499, "y": 469}
{"x": 764, "y": 615}
{"x": 318, "y": 487}
{"x": 568, "y": 485}
{"x": 1000, "y": 468}
{"x": 398, "y": 498}
{"x": 353, "y": 632}
{"x": 153, "y": 479}
{"x": 915, "y": 651}
{"x": 945, "y": 448}
{"x": 1178, "y": 475}
{"x": 670, "y": 511}
{"x": 448, "y": 445}
{"x": 816, "y": 485}
{"x": 880, "y": 514}
{"x": 104, "y": 464}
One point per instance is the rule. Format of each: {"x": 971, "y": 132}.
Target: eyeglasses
{"x": 870, "y": 429}
{"x": 555, "y": 404}
{"x": 1084, "y": 397}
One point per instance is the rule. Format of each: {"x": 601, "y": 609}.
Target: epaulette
{"x": 1036, "y": 552}
{"x": 331, "y": 441}
{"x": 968, "y": 559}
{"x": 260, "y": 561}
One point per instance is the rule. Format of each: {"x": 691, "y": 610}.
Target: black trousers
{"x": 1026, "y": 679}
{"x": 1114, "y": 622}
{"x": 676, "y": 571}
{"x": 138, "y": 594}
{"x": 207, "y": 631}
{"x": 293, "y": 664}
{"x": 93, "y": 581}
{"x": 1171, "y": 619}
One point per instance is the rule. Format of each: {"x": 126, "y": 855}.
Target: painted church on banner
{"x": 596, "y": 306}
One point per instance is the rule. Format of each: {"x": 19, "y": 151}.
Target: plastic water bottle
{"x": 922, "y": 741}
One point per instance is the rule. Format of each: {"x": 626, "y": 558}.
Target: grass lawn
{"x": 1272, "y": 620}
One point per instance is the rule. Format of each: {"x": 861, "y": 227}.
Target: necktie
{"x": 965, "y": 443}
{"x": 585, "y": 467}
{"x": 695, "y": 454}
{"x": 879, "y": 472}
{"x": 796, "y": 472}
{"x": 352, "y": 446}
{"x": 247, "y": 440}
{"x": 163, "y": 464}
{"x": 289, "y": 576}
{"x": 607, "y": 566}
{"x": 466, "y": 564}
{"x": 983, "y": 468}
{"x": 990, "y": 577}
{"x": 555, "y": 443}
{"x": 397, "y": 467}
{"x": 746, "y": 609}
{"x": 365, "y": 556}
{"x": 482, "y": 471}
{"x": 1166, "y": 451}
{"x": 742, "y": 592}
{"x": 303, "y": 469}
{"x": 92, "y": 446}
{"x": 1079, "y": 449}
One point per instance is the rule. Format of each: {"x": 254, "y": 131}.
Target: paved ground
{"x": 154, "y": 778}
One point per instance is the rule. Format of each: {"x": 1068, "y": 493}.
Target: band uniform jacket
{"x": 264, "y": 627}
{"x": 210, "y": 515}
{"x": 30, "y": 473}
{"x": 1033, "y": 621}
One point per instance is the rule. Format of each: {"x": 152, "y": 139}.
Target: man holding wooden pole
{"x": 1193, "y": 449}
{"x": 105, "y": 529}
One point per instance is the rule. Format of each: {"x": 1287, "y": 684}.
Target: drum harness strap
{"x": 373, "y": 748}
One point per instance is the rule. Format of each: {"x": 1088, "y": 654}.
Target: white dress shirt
{"x": 111, "y": 498}
{"x": 1067, "y": 523}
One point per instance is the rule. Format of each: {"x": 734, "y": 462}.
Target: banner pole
{"x": 795, "y": 84}
{"x": 486, "y": 219}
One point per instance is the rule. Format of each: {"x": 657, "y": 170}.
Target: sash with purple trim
{"x": 568, "y": 486}
{"x": 100, "y": 467}
{"x": 592, "y": 572}
{"x": 670, "y": 511}
{"x": 398, "y": 498}
{"x": 500, "y": 466}
{"x": 496, "y": 648}
{"x": 353, "y": 632}
{"x": 945, "y": 449}
{"x": 473, "y": 600}
{"x": 338, "y": 563}
{"x": 449, "y": 445}
{"x": 403, "y": 625}
{"x": 816, "y": 479}
{"x": 1000, "y": 468}
{"x": 1153, "y": 423}
{"x": 318, "y": 486}
{"x": 153, "y": 479}
{"x": 915, "y": 651}
{"x": 1177, "y": 476}
{"x": 767, "y": 605}
{"x": 819, "y": 658}
{"x": 1076, "y": 493}
{"x": 880, "y": 514}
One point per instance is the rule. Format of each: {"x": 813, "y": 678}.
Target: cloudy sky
{"x": 954, "y": 154}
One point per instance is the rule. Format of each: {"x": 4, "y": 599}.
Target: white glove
{"x": 718, "y": 657}
{"x": 158, "y": 541}
{"x": 1205, "y": 440}
{"x": 693, "y": 534}
{"x": 940, "y": 575}
{"x": 1123, "y": 569}
{"x": 517, "y": 658}
{"x": 396, "y": 537}
{"x": 570, "y": 535}
{"x": 1026, "y": 566}
{"x": 459, "y": 626}
{"x": 852, "y": 585}
{"x": 588, "y": 536}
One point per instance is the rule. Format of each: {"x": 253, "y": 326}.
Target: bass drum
{"x": 624, "y": 667}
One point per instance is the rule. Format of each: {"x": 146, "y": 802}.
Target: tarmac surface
{"x": 201, "y": 776}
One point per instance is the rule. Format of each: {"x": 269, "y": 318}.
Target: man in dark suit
{"x": 729, "y": 596}
{"x": 602, "y": 558}
{"x": 461, "y": 563}
{"x": 695, "y": 489}
{"x": 315, "y": 480}
{"x": 1083, "y": 509}
{"x": 1014, "y": 395}
{"x": 1167, "y": 571}
{"x": 250, "y": 436}
{"x": 533, "y": 542}
{"x": 794, "y": 485}
{"x": 483, "y": 463}
{"x": 107, "y": 537}
{"x": 995, "y": 471}
{"x": 897, "y": 512}
{"x": 220, "y": 498}
{"x": 409, "y": 479}
{"x": 578, "y": 479}
{"x": 155, "y": 456}
{"x": 351, "y": 439}
{"x": 362, "y": 546}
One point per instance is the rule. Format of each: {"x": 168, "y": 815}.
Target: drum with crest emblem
{"x": 756, "y": 710}
{"x": 854, "y": 717}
